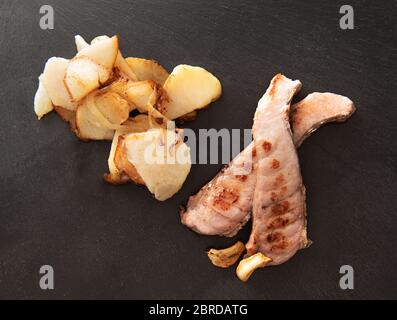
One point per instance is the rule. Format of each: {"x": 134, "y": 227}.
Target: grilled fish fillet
{"x": 279, "y": 210}
{"x": 224, "y": 205}
{"x": 317, "y": 109}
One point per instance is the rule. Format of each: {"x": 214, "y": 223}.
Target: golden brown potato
{"x": 148, "y": 70}
{"x": 84, "y": 76}
{"x": 115, "y": 176}
{"x": 91, "y": 67}
{"x": 114, "y": 108}
{"x": 103, "y": 52}
{"x": 138, "y": 94}
{"x": 120, "y": 64}
{"x": 189, "y": 88}
{"x": 123, "y": 165}
{"x": 95, "y": 93}
{"x": 141, "y": 93}
{"x": 88, "y": 127}
{"x": 161, "y": 159}
{"x": 140, "y": 123}
{"x": 146, "y": 96}
{"x": 100, "y": 114}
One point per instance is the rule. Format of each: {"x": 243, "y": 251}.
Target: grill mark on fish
{"x": 275, "y": 164}
{"x": 267, "y": 146}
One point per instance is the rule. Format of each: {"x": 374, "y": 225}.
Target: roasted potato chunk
{"x": 148, "y": 70}
{"x": 161, "y": 158}
{"x": 189, "y": 88}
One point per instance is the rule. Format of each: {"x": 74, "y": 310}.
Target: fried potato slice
{"x": 107, "y": 109}
{"x": 121, "y": 64}
{"x": 188, "y": 89}
{"x": 80, "y": 43}
{"x": 52, "y": 79}
{"x": 125, "y": 68}
{"x": 115, "y": 176}
{"x": 112, "y": 107}
{"x": 148, "y": 70}
{"x": 42, "y": 102}
{"x": 91, "y": 67}
{"x": 135, "y": 69}
{"x": 84, "y": 76}
{"x": 226, "y": 257}
{"x": 103, "y": 53}
{"x": 140, "y": 123}
{"x": 139, "y": 94}
{"x": 89, "y": 127}
{"x": 161, "y": 158}
{"x": 124, "y": 170}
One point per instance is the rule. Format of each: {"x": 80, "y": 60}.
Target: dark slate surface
{"x": 118, "y": 242}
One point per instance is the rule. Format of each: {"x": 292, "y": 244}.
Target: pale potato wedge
{"x": 116, "y": 176}
{"x": 138, "y": 94}
{"x": 101, "y": 120}
{"x": 139, "y": 123}
{"x": 141, "y": 93}
{"x": 84, "y": 76}
{"x": 148, "y": 70}
{"x": 114, "y": 108}
{"x": 121, "y": 64}
{"x": 125, "y": 68}
{"x": 120, "y": 86}
{"x": 161, "y": 159}
{"x": 156, "y": 116}
{"x": 102, "y": 52}
{"x": 52, "y": 79}
{"x": 88, "y": 127}
{"x": 188, "y": 89}
{"x": 92, "y": 66}
{"x": 80, "y": 43}
{"x": 124, "y": 166}
{"x": 42, "y": 102}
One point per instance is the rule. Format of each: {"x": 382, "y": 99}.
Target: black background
{"x": 118, "y": 242}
